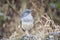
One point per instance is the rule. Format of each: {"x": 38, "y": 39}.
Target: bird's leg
{"x": 27, "y": 33}
{"x": 30, "y": 31}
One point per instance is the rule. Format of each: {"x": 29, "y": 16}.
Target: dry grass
{"x": 43, "y": 23}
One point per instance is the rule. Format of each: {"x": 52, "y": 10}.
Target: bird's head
{"x": 26, "y": 12}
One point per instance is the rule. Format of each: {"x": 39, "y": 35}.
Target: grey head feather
{"x": 26, "y": 12}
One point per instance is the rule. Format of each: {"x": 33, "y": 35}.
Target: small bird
{"x": 27, "y": 20}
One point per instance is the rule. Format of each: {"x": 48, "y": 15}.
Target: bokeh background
{"x": 46, "y": 14}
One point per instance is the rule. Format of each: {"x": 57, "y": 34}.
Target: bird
{"x": 27, "y": 20}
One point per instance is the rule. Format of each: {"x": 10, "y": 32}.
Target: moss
{"x": 3, "y": 18}
{"x": 58, "y": 6}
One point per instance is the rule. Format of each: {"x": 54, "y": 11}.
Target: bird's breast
{"x": 28, "y": 18}
{"x": 27, "y": 25}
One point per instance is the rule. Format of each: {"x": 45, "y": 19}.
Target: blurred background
{"x": 46, "y": 14}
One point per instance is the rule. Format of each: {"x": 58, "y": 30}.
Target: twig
{"x": 34, "y": 5}
{"x": 13, "y": 8}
